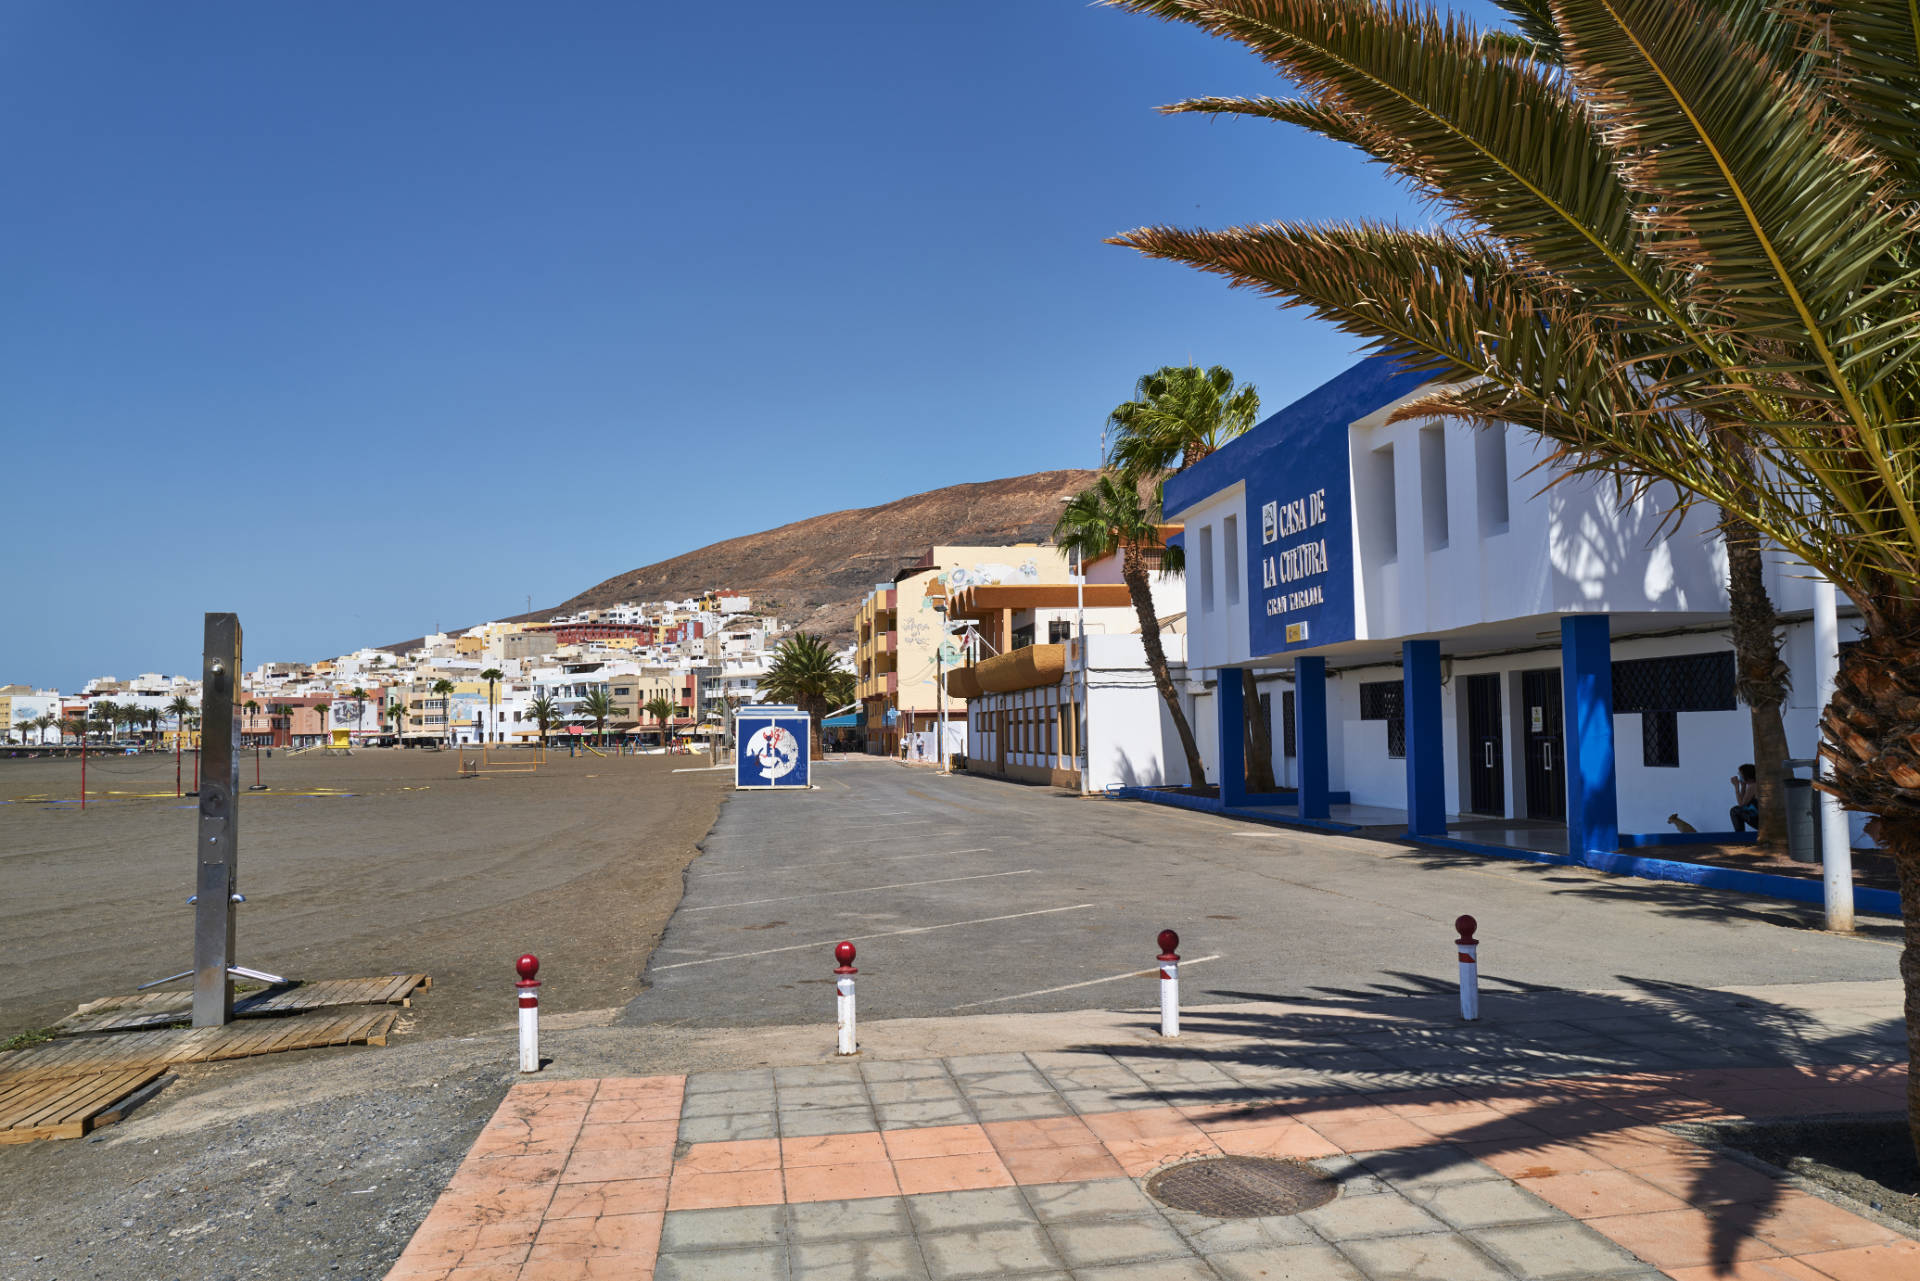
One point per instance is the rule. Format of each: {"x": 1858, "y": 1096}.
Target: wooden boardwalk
{"x": 66, "y": 1107}
{"x": 126, "y": 1051}
{"x": 161, "y": 1009}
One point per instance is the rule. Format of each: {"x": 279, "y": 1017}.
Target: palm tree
{"x": 444, "y": 688}
{"x": 806, "y": 672}
{"x": 359, "y": 696}
{"x": 492, "y": 676}
{"x": 250, "y": 707}
{"x": 321, "y": 709}
{"x": 397, "y": 713}
{"x": 1682, "y": 250}
{"x": 43, "y": 723}
{"x": 1181, "y": 415}
{"x": 662, "y": 710}
{"x": 546, "y": 713}
{"x": 597, "y": 707}
{"x": 75, "y": 725}
{"x": 25, "y": 726}
{"x": 102, "y": 715}
{"x": 1108, "y": 516}
{"x": 153, "y": 717}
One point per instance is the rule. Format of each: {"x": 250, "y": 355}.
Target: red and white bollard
{"x": 843, "y": 990}
{"x": 1169, "y": 984}
{"x": 1469, "y": 967}
{"x": 529, "y": 989}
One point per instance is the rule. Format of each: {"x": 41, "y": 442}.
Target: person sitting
{"x": 1746, "y": 802}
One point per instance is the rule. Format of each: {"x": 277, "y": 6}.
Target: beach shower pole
{"x": 218, "y": 838}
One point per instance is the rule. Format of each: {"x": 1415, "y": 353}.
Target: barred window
{"x": 1660, "y": 738}
{"x": 1680, "y": 683}
{"x": 1385, "y": 701}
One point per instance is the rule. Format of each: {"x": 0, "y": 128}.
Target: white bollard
{"x": 529, "y": 990}
{"x": 1169, "y": 984}
{"x": 843, "y": 988}
{"x": 1469, "y": 948}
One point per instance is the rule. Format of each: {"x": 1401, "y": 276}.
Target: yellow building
{"x": 901, "y": 624}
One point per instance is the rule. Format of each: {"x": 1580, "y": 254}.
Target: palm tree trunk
{"x": 1259, "y": 737}
{"x": 1134, "y": 570}
{"x": 1761, "y": 677}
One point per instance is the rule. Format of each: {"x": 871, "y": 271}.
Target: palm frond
{"x": 1870, "y": 64}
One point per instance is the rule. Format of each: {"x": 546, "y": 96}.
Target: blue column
{"x": 1426, "y": 759}
{"x": 1586, "y": 679}
{"x": 1310, "y": 736}
{"x": 1230, "y": 702}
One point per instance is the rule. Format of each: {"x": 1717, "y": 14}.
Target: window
{"x": 1433, "y": 486}
{"x": 1059, "y": 631}
{"x": 1660, "y": 738}
{"x": 1385, "y": 701}
{"x": 1490, "y": 478}
{"x": 1022, "y": 636}
{"x": 1680, "y": 683}
{"x": 1206, "y": 568}
{"x": 1380, "y": 508}
{"x": 1230, "y": 538}
{"x": 1289, "y": 744}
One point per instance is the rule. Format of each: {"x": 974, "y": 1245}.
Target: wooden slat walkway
{"x": 159, "y": 1009}
{"x": 65, "y": 1107}
{"x": 89, "y": 1055}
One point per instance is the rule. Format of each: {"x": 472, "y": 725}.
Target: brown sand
{"x": 416, "y": 871}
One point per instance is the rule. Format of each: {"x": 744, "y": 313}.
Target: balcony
{"x": 1029, "y": 667}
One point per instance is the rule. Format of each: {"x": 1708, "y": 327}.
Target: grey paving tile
{"x": 1118, "y": 1099}
{"x": 1093, "y": 1078}
{"x": 987, "y": 1064}
{"x": 1480, "y": 1205}
{"x": 763, "y": 1264}
{"x": 905, "y": 1116}
{"x": 727, "y": 1102}
{"x": 714, "y": 1129}
{"x": 1208, "y": 1235}
{"x": 1428, "y": 1166}
{"x": 1055, "y": 1060}
{"x": 849, "y": 1094}
{"x": 1549, "y": 1251}
{"x": 925, "y": 1089}
{"x": 740, "y": 1079}
{"x": 690, "y": 1230}
{"x": 894, "y": 1260}
{"x": 1153, "y": 1270}
{"x": 1100, "y": 1199}
{"x": 982, "y": 1208}
{"x": 803, "y": 1122}
{"x": 1089, "y": 1243}
{"x": 1433, "y": 1256}
{"x": 903, "y": 1070}
{"x": 847, "y": 1220}
{"x": 986, "y": 1252}
{"x": 817, "y": 1074}
{"x": 1019, "y": 1107}
{"x": 1382, "y": 1214}
{"x": 1310, "y": 1262}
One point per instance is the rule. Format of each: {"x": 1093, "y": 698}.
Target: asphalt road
{"x": 973, "y": 895}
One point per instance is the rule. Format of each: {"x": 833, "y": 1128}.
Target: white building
{"x": 1449, "y": 641}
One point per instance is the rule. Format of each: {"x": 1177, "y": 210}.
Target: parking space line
{"x": 837, "y": 862}
{"x": 861, "y": 938}
{"x": 1068, "y": 987}
{"x": 864, "y": 889}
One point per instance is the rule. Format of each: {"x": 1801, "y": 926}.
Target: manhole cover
{"x": 1242, "y": 1187}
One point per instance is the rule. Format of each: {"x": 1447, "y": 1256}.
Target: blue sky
{"x": 356, "y": 319}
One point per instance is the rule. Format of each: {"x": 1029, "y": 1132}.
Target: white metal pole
{"x": 1469, "y": 950}
{"x": 1836, "y": 840}
{"x": 1169, "y": 984}
{"x": 940, "y": 697}
{"x": 528, "y": 989}
{"x": 843, "y": 992}
{"x": 1080, "y": 638}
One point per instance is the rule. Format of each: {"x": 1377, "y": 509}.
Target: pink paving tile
{"x": 1676, "y": 1238}
{"x": 1284, "y": 1139}
{"x": 441, "y": 1249}
{"x": 1894, "y": 1261}
{"x": 1046, "y": 1132}
{"x": 481, "y": 1205}
{"x": 1702, "y": 1179}
{"x": 1061, "y": 1165}
{"x": 1140, "y": 1123}
{"x": 951, "y": 1173}
{"x": 603, "y": 1165}
{"x": 629, "y": 1087}
{"x": 1338, "y": 1110}
{"x": 637, "y": 1134}
{"x": 646, "y": 1107}
{"x": 936, "y": 1140}
{"x": 514, "y": 1136}
{"x": 690, "y": 1191}
{"x": 618, "y": 1196}
{"x": 507, "y": 1171}
{"x": 832, "y": 1149}
{"x": 1591, "y": 1194}
{"x": 1369, "y": 1136}
{"x": 1142, "y": 1156}
{"x": 1482, "y": 1124}
{"x": 1802, "y": 1224}
{"x": 565, "y": 1267}
{"x": 1235, "y": 1116}
{"x": 632, "y": 1236}
{"x": 728, "y": 1156}
{"x": 478, "y": 1272}
{"x": 1433, "y": 1102}
{"x": 1750, "y": 1270}
{"x": 1633, "y": 1146}
{"x": 844, "y": 1182}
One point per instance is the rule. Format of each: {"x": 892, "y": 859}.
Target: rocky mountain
{"x": 815, "y": 572}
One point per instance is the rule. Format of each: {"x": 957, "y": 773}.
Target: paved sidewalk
{"x": 1471, "y": 1161}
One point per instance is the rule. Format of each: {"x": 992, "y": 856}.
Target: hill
{"x": 815, "y": 572}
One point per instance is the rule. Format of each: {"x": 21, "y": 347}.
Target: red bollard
{"x": 529, "y": 988}
{"x": 843, "y": 952}
{"x": 1469, "y": 949}
{"x": 1169, "y": 983}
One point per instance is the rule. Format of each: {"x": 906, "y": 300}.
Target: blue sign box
{"x": 771, "y": 746}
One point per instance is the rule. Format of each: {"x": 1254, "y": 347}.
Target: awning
{"x": 849, "y": 721}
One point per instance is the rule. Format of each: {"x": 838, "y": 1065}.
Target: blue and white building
{"x": 1442, "y": 635}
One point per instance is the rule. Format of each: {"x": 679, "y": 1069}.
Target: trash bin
{"x": 1802, "y": 803}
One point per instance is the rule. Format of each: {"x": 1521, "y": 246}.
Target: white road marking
{"x": 861, "y": 938}
{"x": 837, "y": 862}
{"x": 1068, "y": 987}
{"x": 865, "y": 889}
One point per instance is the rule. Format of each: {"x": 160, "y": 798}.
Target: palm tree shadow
{"x": 1552, "y": 1071}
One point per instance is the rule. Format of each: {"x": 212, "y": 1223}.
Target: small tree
{"x": 598, "y": 707}
{"x": 662, "y": 710}
{"x": 322, "y": 708}
{"x": 546, "y": 714}
{"x": 807, "y": 673}
{"x": 444, "y": 688}
{"x": 492, "y": 676}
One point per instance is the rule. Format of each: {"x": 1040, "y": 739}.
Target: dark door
{"x": 1546, "y": 763}
{"x": 1486, "y": 770}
